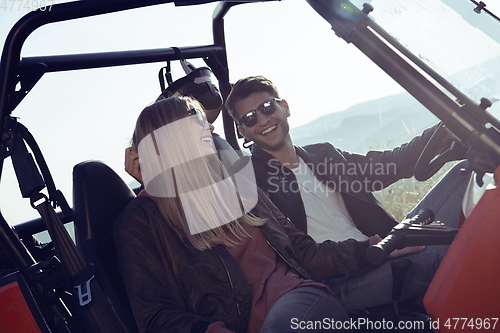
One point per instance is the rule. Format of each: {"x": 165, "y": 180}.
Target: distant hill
{"x": 379, "y": 124}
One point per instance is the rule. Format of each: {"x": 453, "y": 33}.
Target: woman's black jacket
{"x": 173, "y": 287}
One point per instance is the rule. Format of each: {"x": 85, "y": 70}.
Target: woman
{"x": 192, "y": 260}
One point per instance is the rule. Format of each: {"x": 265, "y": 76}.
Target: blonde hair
{"x": 191, "y": 170}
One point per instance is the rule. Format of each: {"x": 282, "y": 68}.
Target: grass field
{"x": 400, "y": 198}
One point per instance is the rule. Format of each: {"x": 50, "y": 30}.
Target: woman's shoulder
{"x": 139, "y": 210}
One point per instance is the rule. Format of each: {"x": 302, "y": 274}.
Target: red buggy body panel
{"x": 17, "y": 307}
{"x": 465, "y": 292}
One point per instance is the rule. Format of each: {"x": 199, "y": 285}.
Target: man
{"x": 327, "y": 192}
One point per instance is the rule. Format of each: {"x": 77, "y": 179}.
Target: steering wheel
{"x": 428, "y": 163}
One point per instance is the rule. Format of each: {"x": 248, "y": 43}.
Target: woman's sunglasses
{"x": 202, "y": 118}
{"x": 267, "y": 108}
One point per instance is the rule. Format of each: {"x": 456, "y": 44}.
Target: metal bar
{"x": 109, "y": 59}
{"x": 224, "y": 84}
{"x": 406, "y": 75}
{"x": 29, "y": 228}
{"x": 16, "y": 250}
{"x": 481, "y": 6}
{"x": 218, "y": 22}
{"x": 423, "y": 66}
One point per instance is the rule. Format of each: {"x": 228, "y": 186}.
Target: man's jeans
{"x": 373, "y": 285}
{"x": 302, "y": 307}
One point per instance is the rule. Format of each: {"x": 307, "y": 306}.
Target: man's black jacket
{"x": 355, "y": 176}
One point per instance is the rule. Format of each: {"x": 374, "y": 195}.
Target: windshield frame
{"x": 470, "y": 123}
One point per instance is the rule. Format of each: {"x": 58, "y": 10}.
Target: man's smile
{"x": 268, "y": 130}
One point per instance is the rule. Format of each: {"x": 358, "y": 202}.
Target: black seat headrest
{"x": 99, "y": 195}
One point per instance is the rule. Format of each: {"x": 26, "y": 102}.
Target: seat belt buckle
{"x": 84, "y": 292}
{"x": 82, "y": 285}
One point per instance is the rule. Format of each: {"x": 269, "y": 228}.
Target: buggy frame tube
{"x": 63, "y": 63}
{"x": 224, "y": 86}
{"x": 15, "y": 249}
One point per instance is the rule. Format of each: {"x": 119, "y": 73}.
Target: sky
{"x": 90, "y": 114}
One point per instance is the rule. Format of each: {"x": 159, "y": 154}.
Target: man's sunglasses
{"x": 267, "y": 108}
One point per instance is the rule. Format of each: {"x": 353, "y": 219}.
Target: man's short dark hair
{"x": 247, "y": 86}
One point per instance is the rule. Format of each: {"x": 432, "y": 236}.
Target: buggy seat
{"x": 99, "y": 196}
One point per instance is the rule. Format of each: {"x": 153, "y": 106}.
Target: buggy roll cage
{"x": 25, "y": 72}
{"x": 472, "y": 125}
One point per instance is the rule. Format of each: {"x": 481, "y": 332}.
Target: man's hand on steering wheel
{"x": 440, "y": 148}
